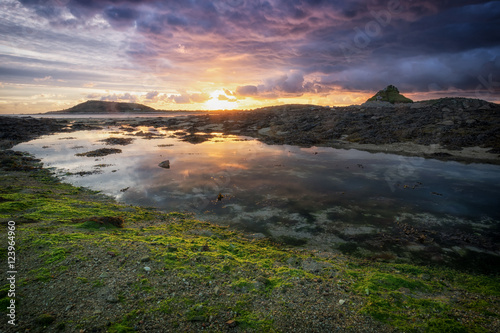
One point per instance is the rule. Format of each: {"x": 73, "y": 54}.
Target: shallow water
{"x": 379, "y": 206}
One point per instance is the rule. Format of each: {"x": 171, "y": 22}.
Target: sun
{"x": 221, "y": 100}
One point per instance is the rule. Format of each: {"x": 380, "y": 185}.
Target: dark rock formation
{"x": 14, "y": 130}
{"x": 389, "y": 94}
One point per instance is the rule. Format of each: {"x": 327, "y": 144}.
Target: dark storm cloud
{"x": 247, "y": 91}
{"x": 356, "y": 44}
{"x": 291, "y": 84}
{"x": 120, "y": 16}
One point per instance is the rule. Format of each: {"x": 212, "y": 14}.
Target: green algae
{"x": 394, "y": 291}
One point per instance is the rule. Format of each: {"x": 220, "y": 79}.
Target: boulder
{"x": 165, "y": 164}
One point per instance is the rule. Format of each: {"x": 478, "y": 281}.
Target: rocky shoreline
{"x": 458, "y": 129}
{"x": 450, "y": 129}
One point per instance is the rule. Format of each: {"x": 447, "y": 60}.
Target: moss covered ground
{"x": 89, "y": 264}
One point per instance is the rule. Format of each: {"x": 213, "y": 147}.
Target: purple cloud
{"x": 320, "y": 45}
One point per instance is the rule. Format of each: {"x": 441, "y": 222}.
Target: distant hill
{"x": 107, "y": 107}
{"x": 389, "y": 94}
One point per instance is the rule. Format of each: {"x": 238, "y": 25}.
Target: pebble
{"x": 147, "y": 269}
{"x": 165, "y": 164}
{"x": 231, "y": 323}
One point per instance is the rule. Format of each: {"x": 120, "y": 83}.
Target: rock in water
{"x": 165, "y": 164}
{"x": 389, "y": 94}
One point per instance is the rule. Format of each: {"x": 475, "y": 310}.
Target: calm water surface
{"x": 371, "y": 205}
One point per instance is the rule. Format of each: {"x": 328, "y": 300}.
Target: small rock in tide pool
{"x": 165, "y": 164}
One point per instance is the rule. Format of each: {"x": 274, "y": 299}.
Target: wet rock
{"x": 117, "y": 141}
{"x": 165, "y": 164}
{"x": 196, "y": 138}
{"x": 100, "y": 152}
{"x": 14, "y": 130}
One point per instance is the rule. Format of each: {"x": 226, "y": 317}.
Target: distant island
{"x": 103, "y": 107}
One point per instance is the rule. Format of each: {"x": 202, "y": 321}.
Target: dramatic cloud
{"x": 256, "y": 50}
{"x": 291, "y": 84}
{"x": 151, "y": 95}
{"x": 127, "y": 97}
{"x": 188, "y": 98}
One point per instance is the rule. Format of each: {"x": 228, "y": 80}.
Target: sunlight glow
{"x": 219, "y": 100}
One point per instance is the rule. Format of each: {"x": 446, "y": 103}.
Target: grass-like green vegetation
{"x": 59, "y": 225}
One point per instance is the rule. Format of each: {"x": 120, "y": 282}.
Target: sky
{"x": 244, "y": 54}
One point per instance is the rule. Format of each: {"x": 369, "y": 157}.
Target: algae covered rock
{"x": 389, "y": 94}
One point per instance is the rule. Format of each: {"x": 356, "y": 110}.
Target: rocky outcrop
{"x": 391, "y": 95}
{"x": 452, "y": 123}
